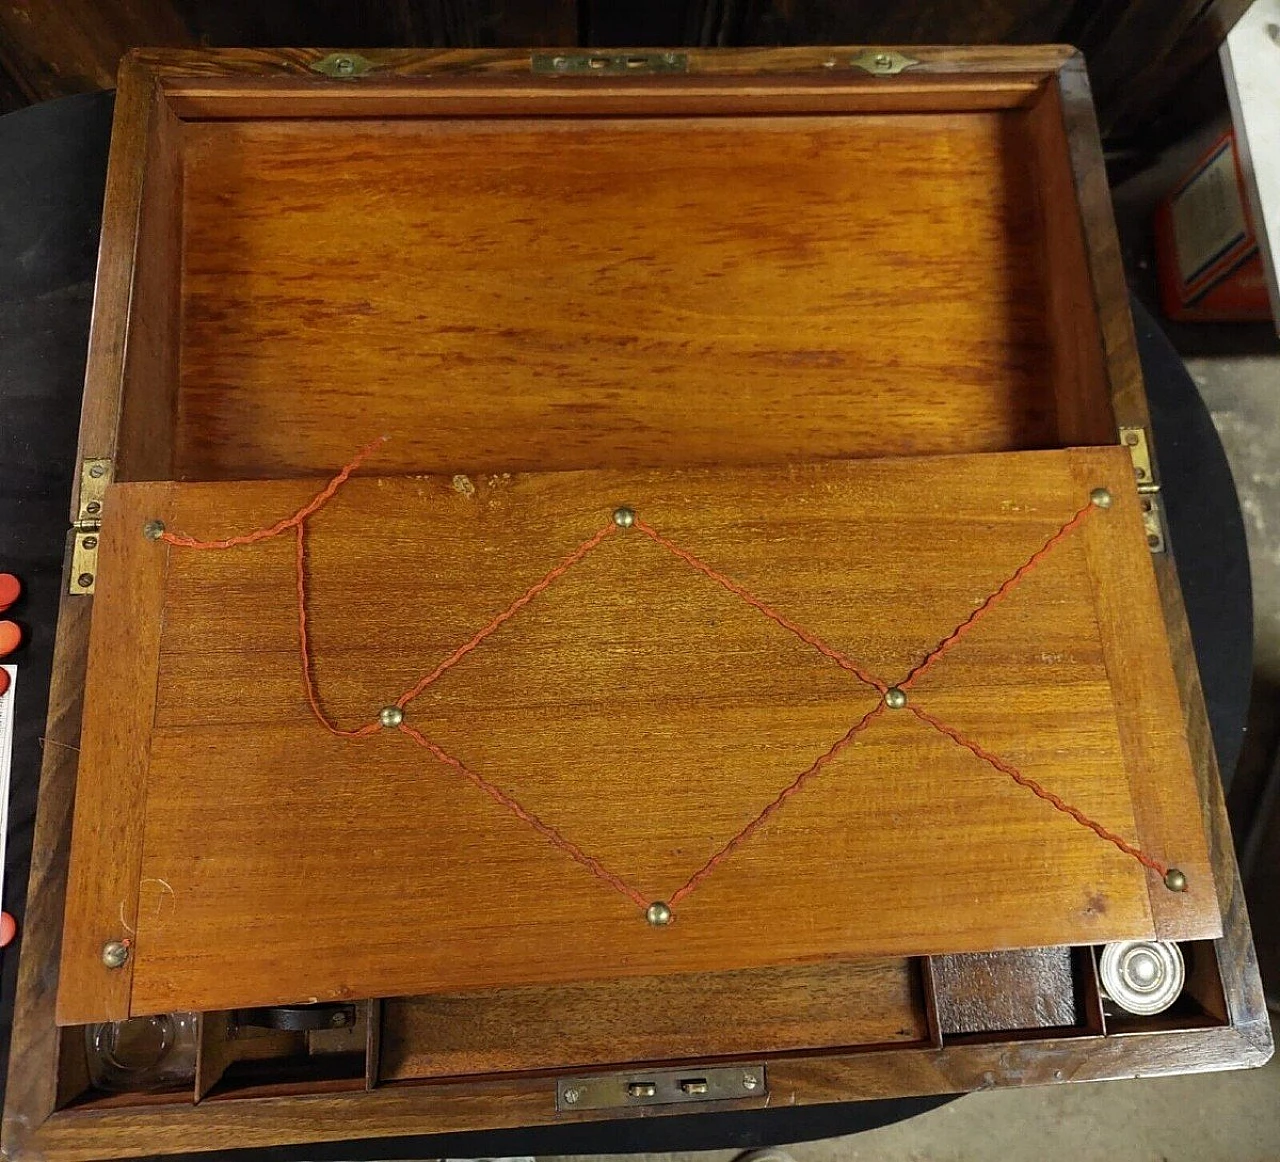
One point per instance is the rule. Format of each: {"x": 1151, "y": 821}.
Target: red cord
{"x": 298, "y": 522}
{"x": 549, "y": 833}
{"x": 1036, "y": 789}
{"x": 507, "y": 614}
{"x": 314, "y": 505}
{"x": 759, "y": 821}
{"x": 1000, "y": 594}
{"x": 313, "y": 699}
{"x": 772, "y": 614}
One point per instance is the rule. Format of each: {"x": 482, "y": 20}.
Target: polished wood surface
{"x": 611, "y": 708}
{"x": 514, "y": 1102}
{"x": 279, "y": 85}
{"x": 476, "y": 314}
{"x": 32, "y": 1090}
{"x": 111, "y": 782}
{"x": 601, "y": 1023}
{"x": 983, "y": 992}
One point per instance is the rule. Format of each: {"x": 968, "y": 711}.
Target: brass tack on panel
{"x": 153, "y": 530}
{"x": 115, "y": 953}
{"x": 1100, "y": 498}
{"x": 1175, "y": 880}
{"x": 894, "y": 698}
{"x": 624, "y": 517}
{"x": 391, "y": 716}
{"x": 658, "y": 914}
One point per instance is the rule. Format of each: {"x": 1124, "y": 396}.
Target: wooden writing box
{"x": 751, "y": 657}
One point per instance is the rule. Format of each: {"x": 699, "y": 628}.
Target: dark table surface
{"x": 52, "y": 167}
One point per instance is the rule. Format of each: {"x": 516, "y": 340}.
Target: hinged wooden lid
{"x": 894, "y": 707}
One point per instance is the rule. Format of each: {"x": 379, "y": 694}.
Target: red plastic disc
{"x": 10, "y": 590}
{"x": 4, "y": 683}
{"x": 8, "y": 928}
{"x": 10, "y": 637}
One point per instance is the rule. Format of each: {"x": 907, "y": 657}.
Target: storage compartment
{"x": 301, "y": 1049}
{"x": 1024, "y": 995}
{"x": 699, "y": 1018}
{"x": 524, "y": 294}
{"x": 776, "y": 264}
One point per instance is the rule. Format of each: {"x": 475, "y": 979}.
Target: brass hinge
{"x": 608, "y": 64}
{"x": 95, "y": 475}
{"x": 1144, "y": 475}
{"x": 656, "y": 1087}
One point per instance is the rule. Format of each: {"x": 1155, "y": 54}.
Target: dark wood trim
{"x": 31, "y": 1094}
{"x": 1237, "y": 962}
{"x": 137, "y": 105}
{"x": 104, "y": 867}
{"x": 445, "y": 1107}
{"x": 193, "y": 84}
{"x": 186, "y": 66}
{"x": 404, "y": 82}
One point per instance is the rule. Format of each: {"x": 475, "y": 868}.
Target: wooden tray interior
{"x": 537, "y": 294}
{"x": 867, "y": 1006}
{"x": 510, "y": 293}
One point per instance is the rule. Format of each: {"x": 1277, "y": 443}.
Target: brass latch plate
{"x": 662, "y": 1087}
{"x": 95, "y": 475}
{"x": 882, "y": 62}
{"x": 608, "y": 64}
{"x": 342, "y": 66}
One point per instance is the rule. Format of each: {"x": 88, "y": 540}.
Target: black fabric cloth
{"x": 52, "y": 168}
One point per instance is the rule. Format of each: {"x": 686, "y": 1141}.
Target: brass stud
{"x": 1100, "y": 498}
{"x": 153, "y": 530}
{"x": 115, "y": 953}
{"x": 624, "y": 517}
{"x": 391, "y": 716}
{"x": 658, "y": 914}
{"x": 894, "y": 698}
{"x": 1175, "y": 880}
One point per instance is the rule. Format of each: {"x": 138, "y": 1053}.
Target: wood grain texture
{"x": 117, "y": 250}
{"x": 606, "y": 1023}
{"x": 1144, "y": 687}
{"x": 594, "y": 666}
{"x": 149, "y": 377}
{"x": 111, "y": 783}
{"x": 1102, "y": 246}
{"x": 981, "y": 992}
{"x": 177, "y": 69}
{"x": 477, "y": 315}
{"x": 271, "y": 1120}
{"x": 414, "y": 82}
{"x": 1236, "y": 957}
{"x": 56, "y": 47}
{"x": 399, "y": 1110}
{"x": 31, "y": 1089}
{"x": 131, "y": 372}
{"x": 1085, "y": 414}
